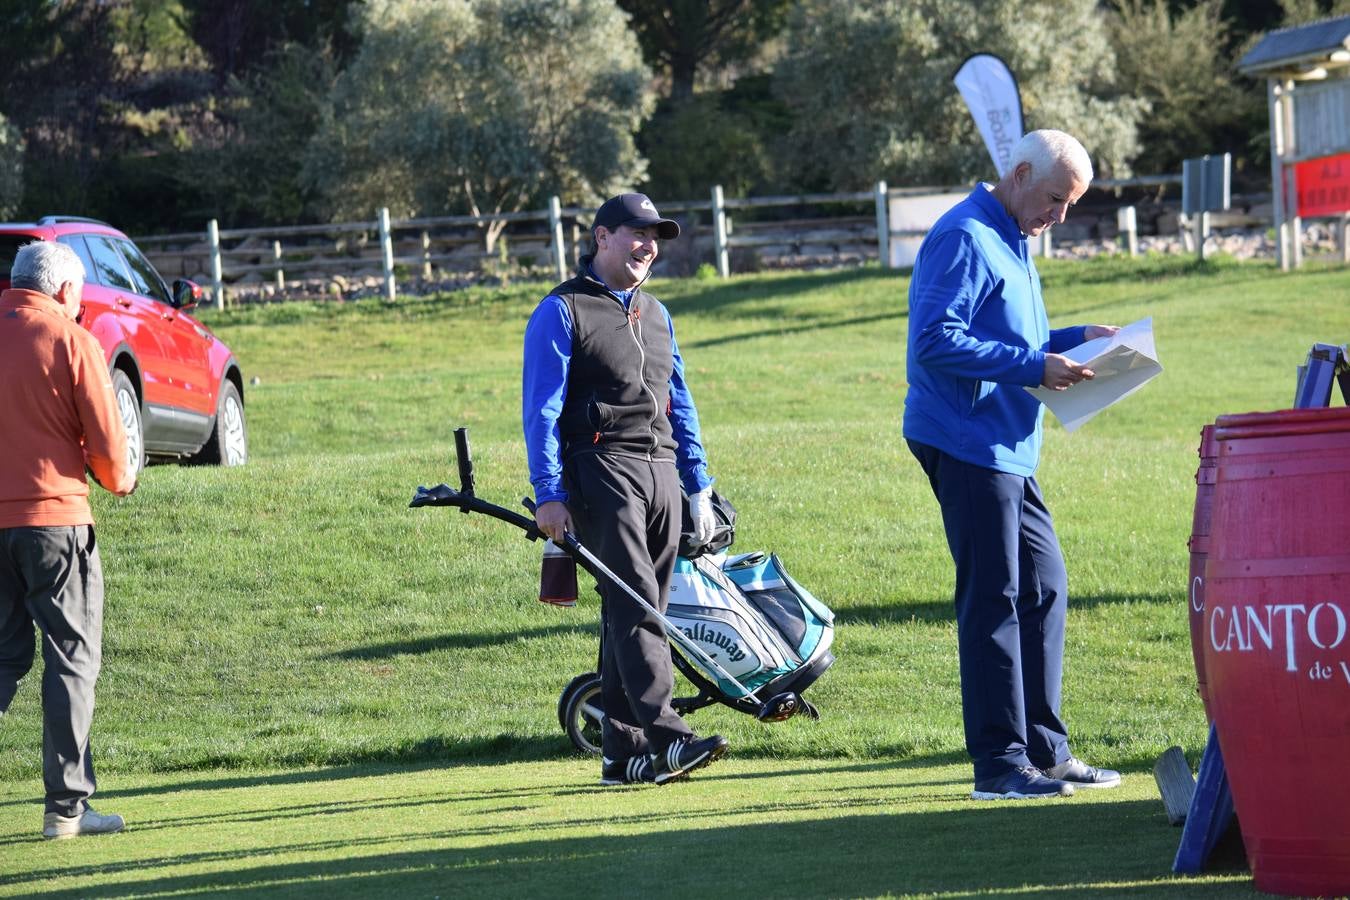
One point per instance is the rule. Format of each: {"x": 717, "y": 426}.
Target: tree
{"x": 714, "y": 137}
{"x": 482, "y": 106}
{"x": 103, "y": 92}
{"x": 680, "y": 37}
{"x": 1301, "y": 12}
{"x": 238, "y": 35}
{"x": 248, "y": 171}
{"x": 870, "y": 85}
{"x": 11, "y": 168}
{"x": 1181, "y": 63}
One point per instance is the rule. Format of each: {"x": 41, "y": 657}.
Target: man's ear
{"x": 1022, "y": 173}
{"x": 65, "y": 295}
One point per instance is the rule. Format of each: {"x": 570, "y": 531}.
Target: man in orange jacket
{"x": 58, "y": 417}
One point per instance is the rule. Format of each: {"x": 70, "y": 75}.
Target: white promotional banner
{"x": 991, "y": 93}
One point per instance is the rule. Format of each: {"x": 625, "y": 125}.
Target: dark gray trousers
{"x": 626, "y": 510}
{"x": 51, "y": 577}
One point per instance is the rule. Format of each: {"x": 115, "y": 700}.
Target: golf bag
{"x": 747, "y": 613}
{"x": 738, "y": 627}
{"x": 760, "y": 629}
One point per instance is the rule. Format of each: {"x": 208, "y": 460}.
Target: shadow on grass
{"x": 469, "y": 641}
{"x": 715, "y": 297}
{"x": 812, "y": 326}
{"x": 1052, "y": 848}
{"x": 941, "y": 610}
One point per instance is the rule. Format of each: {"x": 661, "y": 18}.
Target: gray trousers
{"x": 51, "y": 577}
{"x": 626, "y": 510}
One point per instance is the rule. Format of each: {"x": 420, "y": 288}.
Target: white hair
{"x": 1044, "y": 148}
{"x": 45, "y": 266}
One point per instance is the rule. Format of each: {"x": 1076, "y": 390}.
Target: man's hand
{"x": 1062, "y": 372}
{"x": 553, "y": 519}
{"x": 700, "y": 510}
{"x": 1092, "y": 332}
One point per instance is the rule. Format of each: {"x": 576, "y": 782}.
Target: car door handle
{"x": 168, "y": 317}
{"x": 124, "y": 302}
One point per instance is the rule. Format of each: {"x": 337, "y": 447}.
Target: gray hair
{"x": 45, "y": 266}
{"x": 1044, "y": 148}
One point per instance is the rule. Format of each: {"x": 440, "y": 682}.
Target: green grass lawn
{"x": 310, "y": 688}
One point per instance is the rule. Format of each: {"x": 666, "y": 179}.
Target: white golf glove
{"x": 700, "y": 510}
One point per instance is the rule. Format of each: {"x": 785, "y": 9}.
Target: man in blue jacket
{"x": 978, "y": 335}
{"x": 611, "y": 432}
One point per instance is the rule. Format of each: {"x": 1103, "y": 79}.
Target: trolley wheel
{"x": 584, "y": 715}
{"x": 565, "y": 697}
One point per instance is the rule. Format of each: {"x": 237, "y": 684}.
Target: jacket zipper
{"x": 635, "y": 329}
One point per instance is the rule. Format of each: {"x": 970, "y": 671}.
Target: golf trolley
{"x": 739, "y": 627}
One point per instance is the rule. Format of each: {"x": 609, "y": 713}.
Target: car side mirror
{"x": 186, "y": 294}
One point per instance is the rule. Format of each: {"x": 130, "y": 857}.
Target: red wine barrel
{"x": 1276, "y": 629}
{"x": 1199, "y": 547}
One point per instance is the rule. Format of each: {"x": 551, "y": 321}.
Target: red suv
{"x": 179, "y": 389}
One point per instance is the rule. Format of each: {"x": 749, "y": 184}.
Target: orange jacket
{"x": 57, "y": 415}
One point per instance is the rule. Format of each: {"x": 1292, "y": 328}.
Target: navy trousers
{"x": 1011, "y": 599}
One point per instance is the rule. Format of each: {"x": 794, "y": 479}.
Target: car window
{"x": 9, "y": 246}
{"x": 76, "y": 243}
{"x": 143, "y": 275}
{"x": 111, "y": 268}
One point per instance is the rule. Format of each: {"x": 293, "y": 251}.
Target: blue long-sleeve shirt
{"x": 548, "y": 355}
{"x": 978, "y": 334}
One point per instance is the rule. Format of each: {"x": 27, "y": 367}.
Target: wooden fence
{"x": 717, "y": 230}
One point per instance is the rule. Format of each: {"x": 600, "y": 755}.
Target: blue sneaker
{"x": 1080, "y": 774}
{"x": 1025, "y": 783}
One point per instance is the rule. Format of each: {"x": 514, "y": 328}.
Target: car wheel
{"x": 228, "y": 444}
{"x": 129, "y": 411}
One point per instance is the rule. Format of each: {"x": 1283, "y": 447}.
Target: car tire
{"x": 129, "y": 411}
{"x": 228, "y": 444}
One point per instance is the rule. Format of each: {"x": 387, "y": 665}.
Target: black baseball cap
{"x": 635, "y": 211}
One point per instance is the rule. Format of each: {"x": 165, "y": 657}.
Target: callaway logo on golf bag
{"x": 714, "y": 637}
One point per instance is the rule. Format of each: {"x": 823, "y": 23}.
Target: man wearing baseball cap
{"x": 611, "y": 435}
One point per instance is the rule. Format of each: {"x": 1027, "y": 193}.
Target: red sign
{"x": 1323, "y": 186}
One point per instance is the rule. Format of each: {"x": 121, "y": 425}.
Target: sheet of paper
{"x": 1123, "y": 362}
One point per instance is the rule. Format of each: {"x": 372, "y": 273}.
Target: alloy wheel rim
{"x": 131, "y": 424}
{"x": 232, "y": 424}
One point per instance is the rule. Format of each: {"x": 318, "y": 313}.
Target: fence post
{"x": 719, "y": 217}
{"x": 426, "y": 255}
{"x": 1345, "y": 237}
{"x": 555, "y": 230}
{"x": 281, "y": 273}
{"x": 387, "y": 250}
{"x": 1044, "y": 246}
{"x": 1128, "y": 223}
{"x": 883, "y": 226}
{"x": 217, "y": 275}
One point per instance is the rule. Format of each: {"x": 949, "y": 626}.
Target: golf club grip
{"x": 465, "y": 461}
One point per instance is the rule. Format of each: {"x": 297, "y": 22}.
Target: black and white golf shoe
{"x": 686, "y": 755}
{"x": 633, "y": 770}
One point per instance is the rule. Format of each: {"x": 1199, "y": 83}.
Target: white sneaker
{"x": 55, "y": 825}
